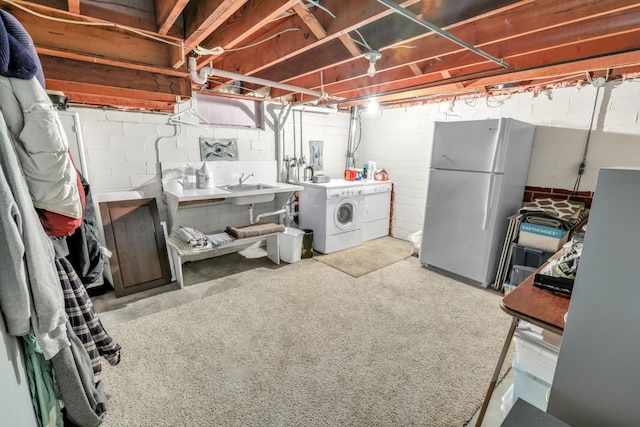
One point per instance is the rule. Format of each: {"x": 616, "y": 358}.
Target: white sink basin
{"x": 239, "y": 188}
{"x": 256, "y": 193}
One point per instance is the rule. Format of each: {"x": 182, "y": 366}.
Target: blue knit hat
{"x": 18, "y": 57}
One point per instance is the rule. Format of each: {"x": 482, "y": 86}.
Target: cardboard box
{"x": 541, "y": 237}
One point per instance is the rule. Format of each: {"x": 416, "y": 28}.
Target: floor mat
{"x": 370, "y": 256}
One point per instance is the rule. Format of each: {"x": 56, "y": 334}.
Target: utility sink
{"x": 260, "y": 193}
{"x": 246, "y": 187}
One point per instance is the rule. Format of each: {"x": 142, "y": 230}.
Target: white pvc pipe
{"x": 262, "y": 215}
{"x": 193, "y": 71}
{"x": 208, "y": 71}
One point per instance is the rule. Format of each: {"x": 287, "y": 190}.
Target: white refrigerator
{"x": 477, "y": 176}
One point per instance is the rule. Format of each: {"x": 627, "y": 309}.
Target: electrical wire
{"x": 318, "y": 5}
{"x": 355, "y": 150}
{"x": 262, "y": 41}
{"x": 220, "y": 50}
{"x": 198, "y": 49}
{"x": 93, "y": 24}
{"x": 583, "y": 163}
{"x": 363, "y": 40}
{"x": 359, "y": 42}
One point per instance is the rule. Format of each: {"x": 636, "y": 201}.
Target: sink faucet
{"x": 242, "y": 179}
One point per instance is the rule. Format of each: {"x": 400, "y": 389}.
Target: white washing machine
{"x": 334, "y": 211}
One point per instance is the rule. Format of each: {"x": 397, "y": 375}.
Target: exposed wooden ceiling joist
{"x": 167, "y": 12}
{"x": 506, "y": 34}
{"x": 201, "y": 16}
{"x": 321, "y": 48}
{"x": 247, "y": 20}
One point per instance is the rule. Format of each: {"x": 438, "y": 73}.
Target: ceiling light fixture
{"x": 372, "y": 106}
{"x": 372, "y": 56}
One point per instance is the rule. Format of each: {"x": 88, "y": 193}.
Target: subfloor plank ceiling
{"x": 132, "y": 54}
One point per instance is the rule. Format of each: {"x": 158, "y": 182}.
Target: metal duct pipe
{"x": 353, "y": 122}
{"x": 443, "y": 33}
{"x": 282, "y": 118}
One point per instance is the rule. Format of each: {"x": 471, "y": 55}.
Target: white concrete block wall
{"x": 399, "y": 139}
{"x": 332, "y": 129}
{"x": 122, "y": 155}
{"x": 123, "y": 149}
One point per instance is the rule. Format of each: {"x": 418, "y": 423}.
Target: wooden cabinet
{"x": 135, "y": 237}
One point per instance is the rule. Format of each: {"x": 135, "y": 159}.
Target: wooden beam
{"x": 96, "y": 41}
{"x": 74, "y": 6}
{"x": 114, "y": 77}
{"x": 428, "y": 45}
{"x": 561, "y": 69}
{"x": 570, "y": 58}
{"x": 504, "y": 34}
{"x": 249, "y": 19}
{"x": 106, "y": 91}
{"x": 316, "y": 28}
{"x": 415, "y": 69}
{"x": 202, "y": 17}
{"x": 353, "y": 48}
{"x": 167, "y": 11}
{"x": 107, "y": 61}
{"x": 117, "y": 102}
{"x": 246, "y": 60}
{"x": 350, "y": 15}
{"x": 311, "y": 61}
{"x": 310, "y": 21}
{"x": 446, "y": 74}
{"x": 139, "y": 15}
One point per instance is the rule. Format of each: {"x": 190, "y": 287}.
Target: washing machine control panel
{"x": 377, "y": 188}
{"x": 336, "y": 193}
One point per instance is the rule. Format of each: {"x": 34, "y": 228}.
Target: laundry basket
{"x": 291, "y": 245}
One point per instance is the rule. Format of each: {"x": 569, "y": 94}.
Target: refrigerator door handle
{"x": 487, "y": 206}
{"x": 496, "y": 146}
{"x": 494, "y": 159}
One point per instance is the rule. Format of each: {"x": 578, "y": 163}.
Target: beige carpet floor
{"x": 308, "y": 345}
{"x": 370, "y": 256}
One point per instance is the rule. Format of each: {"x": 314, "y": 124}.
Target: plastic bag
{"x": 415, "y": 239}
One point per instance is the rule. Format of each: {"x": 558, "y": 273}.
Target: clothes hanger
{"x": 189, "y": 112}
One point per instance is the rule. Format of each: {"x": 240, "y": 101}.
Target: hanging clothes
{"x": 41, "y": 383}
{"x": 38, "y": 173}
{"x": 38, "y": 135}
{"x": 85, "y": 402}
{"x": 30, "y": 292}
{"x": 84, "y": 320}
{"x": 85, "y": 249}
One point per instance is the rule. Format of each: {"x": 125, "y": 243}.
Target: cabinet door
{"x": 134, "y": 235}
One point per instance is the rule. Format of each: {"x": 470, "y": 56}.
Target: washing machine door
{"x": 344, "y": 214}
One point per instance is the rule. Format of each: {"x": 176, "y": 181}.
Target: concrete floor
{"x": 197, "y": 277}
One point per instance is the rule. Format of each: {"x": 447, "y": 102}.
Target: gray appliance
{"x": 477, "y": 177}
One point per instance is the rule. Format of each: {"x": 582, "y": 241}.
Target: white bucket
{"x": 290, "y": 242}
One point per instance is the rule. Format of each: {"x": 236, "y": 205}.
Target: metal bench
{"x": 179, "y": 256}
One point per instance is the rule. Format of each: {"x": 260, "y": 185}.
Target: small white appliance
{"x": 334, "y": 211}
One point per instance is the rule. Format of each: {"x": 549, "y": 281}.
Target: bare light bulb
{"x": 371, "y": 71}
{"x": 372, "y": 105}
{"x": 372, "y": 56}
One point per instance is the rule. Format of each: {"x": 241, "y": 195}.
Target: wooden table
{"x": 539, "y": 307}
